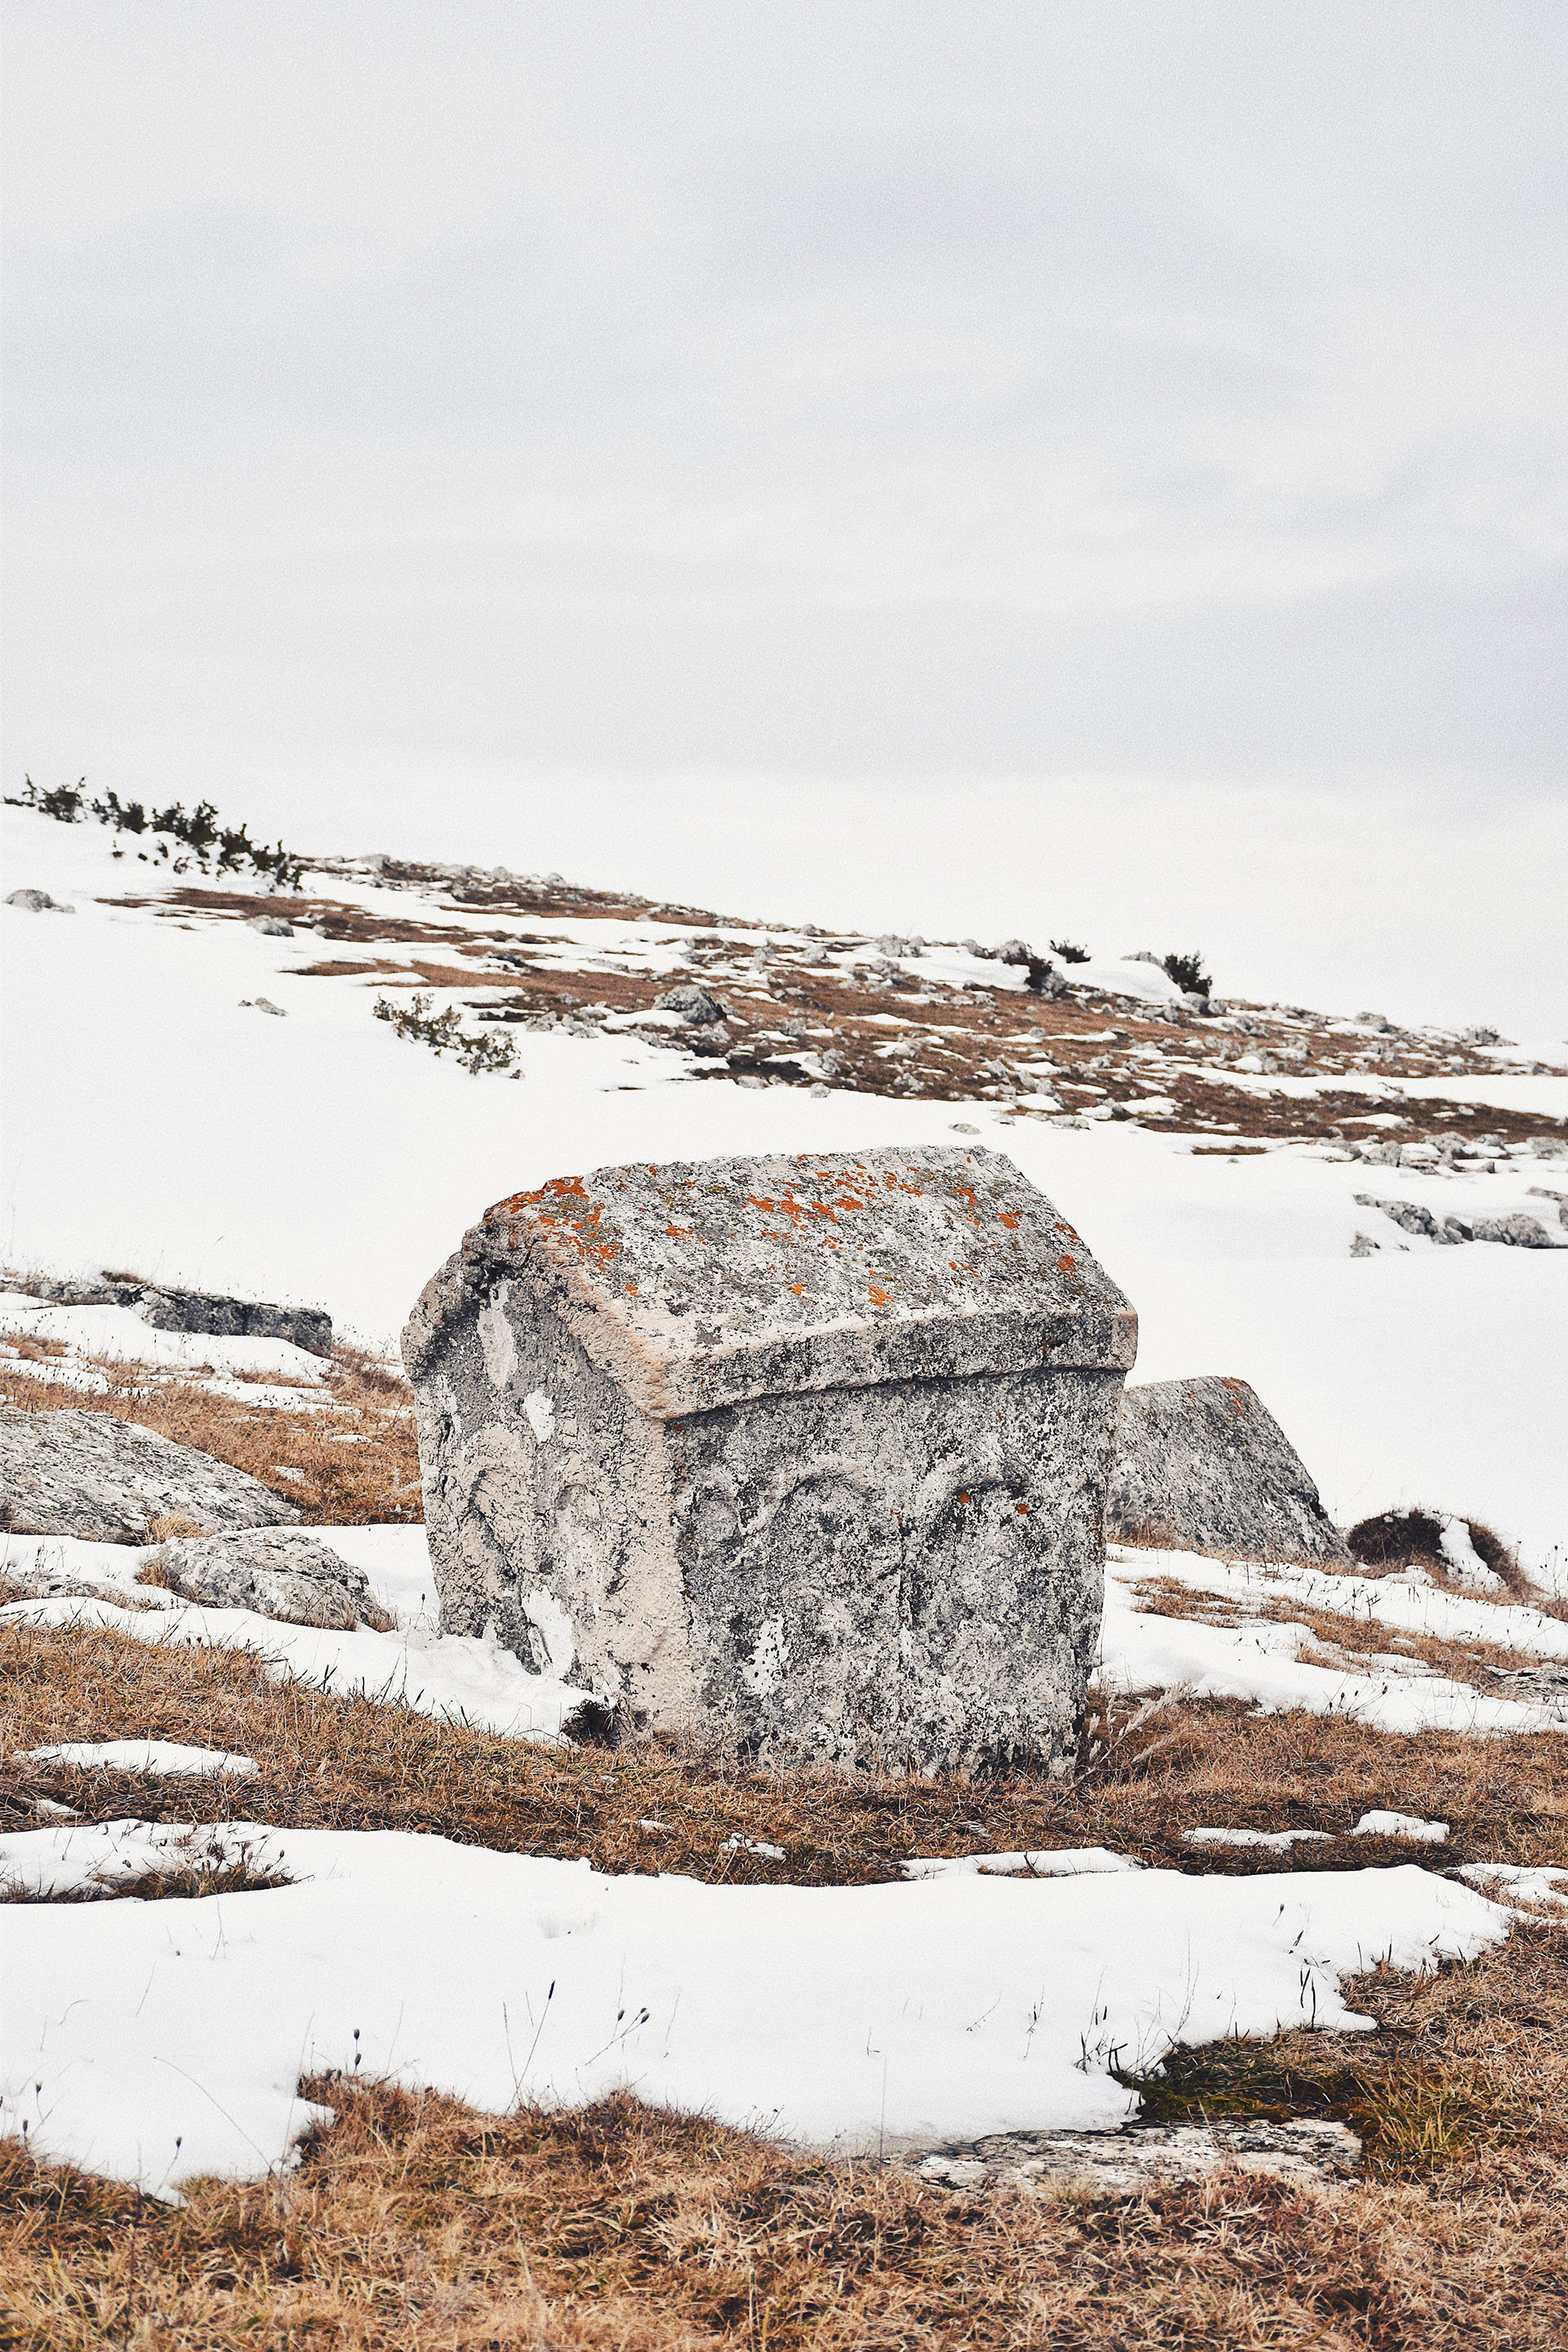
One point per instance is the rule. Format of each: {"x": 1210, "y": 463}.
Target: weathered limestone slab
{"x": 1203, "y": 1466}
{"x": 87, "y": 1473}
{"x": 211, "y": 1313}
{"x": 810, "y": 1452}
{"x": 277, "y": 1571}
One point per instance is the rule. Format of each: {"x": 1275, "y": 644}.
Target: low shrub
{"x": 181, "y": 838}
{"x": 1068, "y": 952}
{"x": 1188, "y": 971}
{"x": 442, "y": 1033}
{"x": 1414, "y": 1539}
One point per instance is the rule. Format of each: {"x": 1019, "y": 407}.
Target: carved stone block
{"x": 811, "y": 1452}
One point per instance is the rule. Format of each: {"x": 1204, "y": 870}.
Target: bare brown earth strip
{"x": 954, "y": 1045}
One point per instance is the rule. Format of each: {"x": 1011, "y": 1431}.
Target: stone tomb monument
{"x": 811, "y": 1452}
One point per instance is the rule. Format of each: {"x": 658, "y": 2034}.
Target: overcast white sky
{"x": 1091, "y": 467}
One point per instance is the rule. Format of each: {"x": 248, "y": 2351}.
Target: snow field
{"x": 155, "y": 2041}
{"x": 1419, "y": 1375}
{"x": 319, "y": 1157}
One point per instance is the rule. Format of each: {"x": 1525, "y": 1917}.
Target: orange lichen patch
{"x": 679, "y": 1232}
{"x": 632, "y": 1290}
{"x": 878, "y": 1298}
{"x": 1005, "y": 1217}
{"x": 1066, "y": 1266}
{"x": 558, "y": 1188}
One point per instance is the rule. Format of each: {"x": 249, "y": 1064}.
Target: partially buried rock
{"x": 693, "y": 1004}
{"x": 90, "y": 1475}
{"x": 1203, "y": 1466}
{"x": 213, "y": 1314}
{"x": 1519, "y": 1228}
{"x": 275, "y": 1573}
{"x": 38, "y": 902}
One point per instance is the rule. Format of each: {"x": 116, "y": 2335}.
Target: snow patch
{"x": 144, "y": 1756}
{"x": 154, "y": 2041}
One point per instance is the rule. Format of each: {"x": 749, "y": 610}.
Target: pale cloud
{"x": 925, "y": 387}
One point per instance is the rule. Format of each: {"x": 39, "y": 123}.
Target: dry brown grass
{"x": 413, "y": 2223}
{"x": 330, "y": 1762}
{"x": 355, "y": 1453}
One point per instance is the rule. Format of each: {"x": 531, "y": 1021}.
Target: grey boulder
{"x": 692, "y": 1002}
{"x": 38, "y": 902}
{"x": 210, "y": 1313}
{"x": 90, "y": 1475}
{"x": 1518, "y": 1228}
{"x": 1203, "y": 1466}
{"x": 276, "y": 1574}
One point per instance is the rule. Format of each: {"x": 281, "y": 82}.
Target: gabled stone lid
{"x": 705, "y": 1283}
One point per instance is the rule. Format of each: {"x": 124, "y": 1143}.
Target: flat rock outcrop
{"x": 277, "y": 1572}
{"x": 1203, "y": 1466}
{"x": 211, "y": 1312}
{"x": 1122, "y": 2163}
{"x": 809, "y": 1453}
{"x": 89, "y": 1474}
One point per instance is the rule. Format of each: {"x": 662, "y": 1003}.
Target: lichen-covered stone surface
{"x": 89, "y": 1474}
{"x": 810, "y": 1453}
{"x": 1203, "y": 1466}
{"x": 1121, "y": 2163}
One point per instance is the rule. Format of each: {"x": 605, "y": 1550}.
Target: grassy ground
{"x": 328, "y": 1762}
{"x": 413, "y": 2222}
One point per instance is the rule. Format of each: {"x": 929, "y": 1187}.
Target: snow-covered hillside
{"x": 204, "y": 1100}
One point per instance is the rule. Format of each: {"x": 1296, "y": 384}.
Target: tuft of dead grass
{"x": 1342, "y": 1639}
{"x": 348, "y": 1458}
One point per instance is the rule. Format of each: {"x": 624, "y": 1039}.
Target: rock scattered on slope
{"x": 693, "y": 1004}
{"x": 38, "y": 902}
{"x": 1518, "y": 1228}
{"x": 90, "y": 1475}
{"x": 1521, "y": 1229}
{"x": 209, "y": 1312}
{"x": 1203, "y": 1466}
{"x": 276, "y": 1574}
